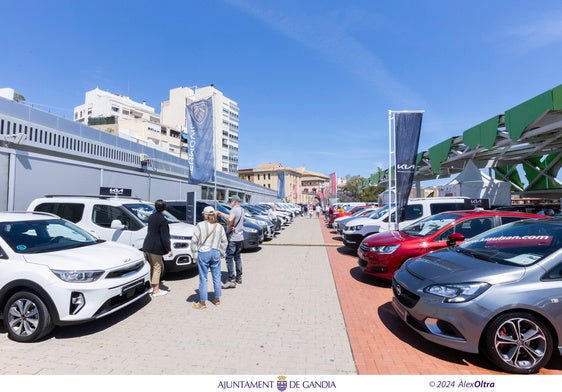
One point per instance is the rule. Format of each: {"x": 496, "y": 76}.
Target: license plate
{"x": 129, "y": 290}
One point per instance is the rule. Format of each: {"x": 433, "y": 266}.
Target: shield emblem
{"x": 200, "y": 111}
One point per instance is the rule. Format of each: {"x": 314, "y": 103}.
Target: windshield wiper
{"x": 476, "y": 255}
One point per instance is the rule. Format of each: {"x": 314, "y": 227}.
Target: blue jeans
{"x": 233, "y": 256}
{"x": 209, "y": 260}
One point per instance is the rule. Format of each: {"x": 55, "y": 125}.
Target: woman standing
{"x": 156, "y": 244}
{"x": 208, "y": 245}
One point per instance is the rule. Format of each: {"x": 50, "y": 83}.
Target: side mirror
{"x": 116, "y": 224}
{"x": 454, "y": 238}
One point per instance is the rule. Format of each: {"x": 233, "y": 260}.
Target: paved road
{"x": 284, "y": 319}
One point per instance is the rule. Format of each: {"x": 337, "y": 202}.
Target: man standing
{"x": 235, "y": 233}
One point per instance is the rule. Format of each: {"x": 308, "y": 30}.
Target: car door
{"x": 103, "y": 215}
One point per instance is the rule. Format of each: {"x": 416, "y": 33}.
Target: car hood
{"x": 387, "y": 238}
{"x": 181, "y": 228}
{"x": 101, "y": 256}
{"x": 363, "y": 221}
{"x": 449, "y": 266}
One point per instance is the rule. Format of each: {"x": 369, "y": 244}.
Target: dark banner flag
{"x": 407, "y": 126}
{"x": 281, "y": 185}
{"x": 200, "y": 139}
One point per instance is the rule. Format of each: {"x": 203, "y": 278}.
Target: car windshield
{"x": 430, "y": 225}
{"x": 520, "y": 243}
{"x": 378, "y": 213}
{"x": 44, "y": 235}
{"x": 143, "y": 211}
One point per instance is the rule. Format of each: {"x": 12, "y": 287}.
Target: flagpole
{"x": 214, "y": 151}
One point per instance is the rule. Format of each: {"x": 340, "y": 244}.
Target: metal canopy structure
{"x": 522, "y": 146}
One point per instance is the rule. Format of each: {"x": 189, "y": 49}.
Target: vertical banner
{"x": 333, "y": 185}
{"x": 407, "y": 127}
{"x": 295, "y": 193}
{"x": 281, "y": 184}
{"x": 201, "y": 147}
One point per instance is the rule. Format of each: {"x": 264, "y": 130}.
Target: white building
{"x": 225, "y": 121}
{"x": 121, "y": 116}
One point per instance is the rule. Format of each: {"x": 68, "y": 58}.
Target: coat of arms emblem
{"x": 200, "y": 111}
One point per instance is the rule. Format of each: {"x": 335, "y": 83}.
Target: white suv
{"x": 54, "y": 273}
{"x": 356, "y": 230}
{"x": 120, "y": 219}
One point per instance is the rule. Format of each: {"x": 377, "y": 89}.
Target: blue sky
{"x": 314, "y": 79}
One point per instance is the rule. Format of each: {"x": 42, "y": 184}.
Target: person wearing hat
{"x": 235, "y": 233}
{"x": 208, "y": 245}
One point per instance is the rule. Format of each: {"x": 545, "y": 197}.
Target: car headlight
{"x": 384, "y": 249}
{"x": 250, "y": 230}
{"x": 78, "y": 276}
{"x": 457, "y": 292}
{"x": 355, "y": 228}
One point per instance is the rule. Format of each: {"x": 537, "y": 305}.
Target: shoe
{"x": 229, "y": 285}
{"x": 199, "y": 305}
{"x": 160, "y": 293}
{"x": 239, "y": 281}
{"x": 216, "y": 301}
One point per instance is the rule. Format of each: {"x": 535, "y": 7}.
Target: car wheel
{"x": 518, "y": 342}
{"x": 26, "y": 317}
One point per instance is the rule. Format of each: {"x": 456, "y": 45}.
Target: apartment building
{"x": 123, "y": 117}
{"x": 225, "y": 121}
{"x": 301, "y": 185}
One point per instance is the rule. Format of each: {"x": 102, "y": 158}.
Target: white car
{"x": 121, "y": 219}
{"x": 358, "y": 229}
{"x": 54, "y": 273}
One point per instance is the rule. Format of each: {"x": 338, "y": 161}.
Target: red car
{"x": 382, "y": 254}
{"x": 348, "y": 212}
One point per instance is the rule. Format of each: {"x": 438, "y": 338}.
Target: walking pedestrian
{"x": 208, "y": 246}
{"x": 235, "y": 234}
{"x": 156, "y": 244}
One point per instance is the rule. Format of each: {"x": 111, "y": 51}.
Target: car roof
{"x": 481, "y": 212}
{"x": 84, "y": 198}
{"x": 19, "y": 216}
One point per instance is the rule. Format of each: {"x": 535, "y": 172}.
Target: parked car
{"x": 382, "y": 254}
{"x": 358, "y": 229}
{"x": 348, "y": 211}
{"x": 52, "y": 272}
{"x": 121, "y": 219}
{"x": 339, "y": 223}
{"x": 253, "y": 235}
{"x": 498, "y": 293}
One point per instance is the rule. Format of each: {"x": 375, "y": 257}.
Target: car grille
{"x": 128, "y": 270}
{"x": 406, "y": 297}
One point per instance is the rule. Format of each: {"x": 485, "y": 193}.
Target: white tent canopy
{"x": 471, "y": 182}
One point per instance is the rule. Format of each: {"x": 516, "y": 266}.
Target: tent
{"x": 471, "y": 182}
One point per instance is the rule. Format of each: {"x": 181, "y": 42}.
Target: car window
{"x": 437, "y": 208}
{"x": 69, "y": 211}
{"x": 430, "y": 225}
{"x": 471, "y": 227}
{"x": 509, "y": 219}
{"x": 103, "y": 215}
{"x": 555, "y": 273}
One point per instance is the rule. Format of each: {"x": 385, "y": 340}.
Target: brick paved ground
{"x": 380, "y": 341}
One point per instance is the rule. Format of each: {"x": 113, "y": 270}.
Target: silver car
{"x": 499, "y": 294}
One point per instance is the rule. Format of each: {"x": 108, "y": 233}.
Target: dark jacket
{"x": 157, "y": 239}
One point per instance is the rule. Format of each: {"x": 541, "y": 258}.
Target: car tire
{"x": 518, "y": 342}
{"x": 26, "y": 317}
